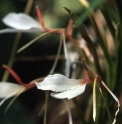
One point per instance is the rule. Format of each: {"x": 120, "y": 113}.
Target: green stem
{"x": 45, "y": 108}
{"x": 80, "y": 114}
{"x": 57, "y": 56}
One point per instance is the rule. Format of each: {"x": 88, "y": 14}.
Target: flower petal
{"x": 3, "y": 100}
{"x": 58, "y": 83}
{"x": 21, "y": 21}
{"x": 9, "y": 89}
{"x": 11, "y": 30}
{"x": 75, "y": 91}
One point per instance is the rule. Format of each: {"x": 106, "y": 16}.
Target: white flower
{"x": 66, "y": 88}
{"x": 8, "y": 90}
{"x": 20, "y": 23}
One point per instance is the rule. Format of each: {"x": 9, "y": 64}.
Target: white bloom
{"x": 66, "y": 88}
{"x": 20, "y": 23}
{"x": 8, "y": 90}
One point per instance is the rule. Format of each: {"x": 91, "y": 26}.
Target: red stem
{"x": 17, "y": 78}
{"x": 40, "y": 17}
{"x": 69, "y": 28}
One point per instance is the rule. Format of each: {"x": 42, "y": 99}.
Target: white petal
{"x": 75, "y": 91}
{"x": 9, "y": 89}
{"x": 21, "y": 21}
{"x": 3, "y": 100}
{"x": 9, "y": 96}
{"x": 58, "y": 83}
{"x": 10, "y": 30}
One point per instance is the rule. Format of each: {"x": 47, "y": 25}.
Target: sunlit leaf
{"x": 93, "y": 5}
{"x": 94, "y": 99}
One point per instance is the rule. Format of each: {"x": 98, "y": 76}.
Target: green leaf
{"x": 93, "y": 5}
{"x": 86, "y": 37}
{"x": 78, "y": 23}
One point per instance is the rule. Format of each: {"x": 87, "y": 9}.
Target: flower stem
{"x": 78, "y": 109}
{"x": 45, "y": 109}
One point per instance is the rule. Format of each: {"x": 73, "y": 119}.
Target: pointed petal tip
{"x": 94, "y": 117}
{"x": 69, "y": 94}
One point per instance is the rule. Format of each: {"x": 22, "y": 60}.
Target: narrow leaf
{"x": 84, "y": 3}
{"x": 105, "y": 104}
{"x": 94, "y": 99}
{"x": 93, "y": 6}
{"x": 115, "y": 98}
{"x": 78, "y": 23}
{"x": 86, "y": 37}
